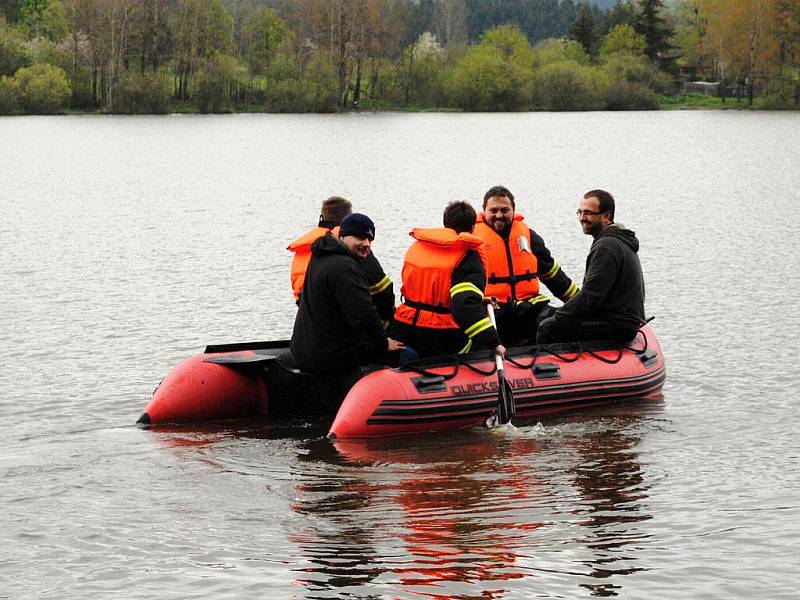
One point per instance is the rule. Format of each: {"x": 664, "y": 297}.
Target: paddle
{"x": 505, "y": 396}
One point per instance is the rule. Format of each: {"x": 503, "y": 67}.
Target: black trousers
{"x": 560, "y": 328}
{"x": 517, "y": 324}
{"x": 428, "y": 341}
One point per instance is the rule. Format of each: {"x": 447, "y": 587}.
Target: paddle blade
{"x": 505, "y": 399}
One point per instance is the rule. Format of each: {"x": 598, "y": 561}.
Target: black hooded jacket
{"x": 337, "y": 327}
{"x": 613, "y": 286}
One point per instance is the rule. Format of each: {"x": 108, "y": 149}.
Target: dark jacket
{"x": 337, "y": 327}
{"x": 381, "y": 287}
{"x": 613, "y": 286}
{"x": 467, "y": 310}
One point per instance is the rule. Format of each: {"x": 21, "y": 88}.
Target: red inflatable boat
{"x": 448, "y": 393}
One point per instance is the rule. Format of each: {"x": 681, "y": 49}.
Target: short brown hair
{"x": 459, "y": 216}
{"x": 498, "y": 190}
{"x": 334, "y": 209}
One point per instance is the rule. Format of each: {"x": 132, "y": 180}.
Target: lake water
{"x": 129, "y": 243}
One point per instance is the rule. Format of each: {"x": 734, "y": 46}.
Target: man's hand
{"x": 501, "y": 350}
{"x": 395, "y": 345}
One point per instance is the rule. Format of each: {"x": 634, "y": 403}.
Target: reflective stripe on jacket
{"x": 302, "y": 254}
{"x": 512, "y": 271}
{"x": 427, "y": 290}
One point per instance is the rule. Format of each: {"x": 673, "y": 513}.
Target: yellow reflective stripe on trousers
{"x": 465, "y": 286}
{"x": 553, "y": 270}
{"x": 478, "y": 327}
{"x": 380, "y": 286}
{"x": 467, "y": 347}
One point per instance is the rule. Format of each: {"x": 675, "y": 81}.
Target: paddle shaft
{"x": 505, "y": 397}
{"x": 498, "y": 360}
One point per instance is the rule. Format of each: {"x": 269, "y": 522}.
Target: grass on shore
{"x": 701, "y": 101}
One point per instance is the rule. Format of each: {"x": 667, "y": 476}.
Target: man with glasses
{"x": 610, "y": 304}
{"x": 517, "y": 260}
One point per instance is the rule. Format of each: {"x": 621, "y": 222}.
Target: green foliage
{"x": 43, "y": 89}
{"x": 216, "y": 28}
{"x": 263, "y": 33}
{"x": 495, "y": 75}
{"x": 43, "y": 18}
{"x": 622, "y": 13}
{"x": 551, "y": 51}
{"x": 635, "y": 69}
{"x": 583, "y": 30}
{"x": 142, "y": 93}
{"x": 214, "y": 82}
{"x": 537, "y": 19}
{"x": 784, "y": 91}
{"x": 200, "y": 27}
{"x": 320, "y": 86}
{"x": 13, "y": 50}
{"x": 510, "y": 42}
{"x": 424, "y": 81}
{"x": 623, "y": 38}
{"x": 654, "y": 27}
{"x": 631, "y": 82}
{"x": 630, "y": 95}
{"x": 290, "y": 86}
{"x": 419, "y": 74}
{"x": 9, "y": 9}
{"x": 9, "y": 92}
{"x": 82, "y": 93}
{"x": 43, "y": 50}
{"x": 568, "y": 85}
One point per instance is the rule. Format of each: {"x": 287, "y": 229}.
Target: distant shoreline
{"x": 682, "y": 102}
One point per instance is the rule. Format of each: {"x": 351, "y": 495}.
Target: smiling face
{"x": 361, "y": 247}
{"x": 498, "y": 213}
{"x": 591, "y": 219}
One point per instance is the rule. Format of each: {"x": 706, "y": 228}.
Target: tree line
{"x": 155, "y": 56}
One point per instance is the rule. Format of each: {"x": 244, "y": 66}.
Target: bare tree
{"x": 450, "y": 21}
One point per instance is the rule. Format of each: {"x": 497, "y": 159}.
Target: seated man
{"x": 518, "y": 259}
{"x": 443, "y": 279}
{"x": 333, "y": 210}
{"x": 610, "y": 305}
{"x": 337, "y": 327}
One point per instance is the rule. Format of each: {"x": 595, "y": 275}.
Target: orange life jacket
{"x": 512, "y": 272}
{"x": 302, "y": 254}
{"x": 427, "y": 276}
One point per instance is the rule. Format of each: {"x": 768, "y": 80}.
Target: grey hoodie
{"x": 613, "y": 286}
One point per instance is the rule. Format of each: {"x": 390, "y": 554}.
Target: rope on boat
{"x": 575, "y": 351}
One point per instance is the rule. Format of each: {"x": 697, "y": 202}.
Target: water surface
{"x": 128, "y": 243}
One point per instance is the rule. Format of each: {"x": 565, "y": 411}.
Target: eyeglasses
{"x": 588, "y": 213}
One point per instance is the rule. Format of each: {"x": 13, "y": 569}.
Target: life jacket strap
{"x": 512, "y": 279}
{"x": 434, "y": 308}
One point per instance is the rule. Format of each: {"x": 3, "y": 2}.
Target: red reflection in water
{"x": 457, "y": 525}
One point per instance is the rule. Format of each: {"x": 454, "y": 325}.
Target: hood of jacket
{"x": 620, "y": 232}
{"x": 328, "y": 244}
